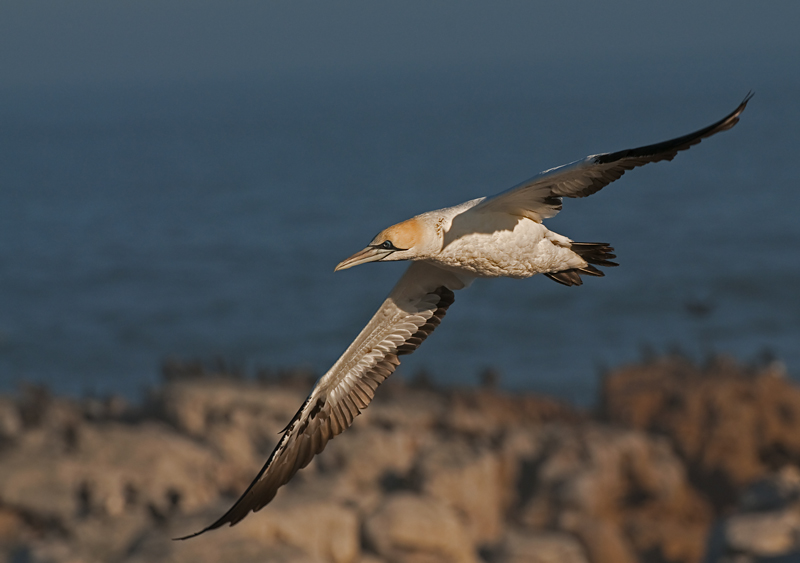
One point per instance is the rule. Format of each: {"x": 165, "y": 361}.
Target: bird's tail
{"x": 595, "y": 254}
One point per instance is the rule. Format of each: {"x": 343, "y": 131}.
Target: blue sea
{"x": 204, "y": 220}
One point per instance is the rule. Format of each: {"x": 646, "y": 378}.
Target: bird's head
{"x": 403, "y": 241}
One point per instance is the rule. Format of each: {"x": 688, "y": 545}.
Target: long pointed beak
{"x": 369, "y": 254}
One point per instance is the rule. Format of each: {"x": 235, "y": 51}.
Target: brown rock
{"x": 196, "y": 406}
{"x": 621, "y": 480}
{"x": 368, "y": 454}
{"x": 10, "y": 419}
{"x": 361, "y": 465}
{"x": 113, "y": 468}
{"x": 470, "y": 480}
{"x": 730, "y": 425}
{"x": 324, "y": 530}
{"x": 414, "y": 410}
{"x": 100, "y": 538}
{"x": 542, "y": 547}
{"x": 409, "y": 528}
{"x": 240, "y": 420}
{"x": 765, "y": 524}
{"x": 154, "y": 550}
{"x": 484, "y": 412}
{"x": 603, "y": 541}
{"x": 12, "y": 527}
{"x": 764, "y": 534}
{"x": 294, "y": 528}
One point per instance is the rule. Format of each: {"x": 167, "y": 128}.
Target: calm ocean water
{"x": 205, "y": 221}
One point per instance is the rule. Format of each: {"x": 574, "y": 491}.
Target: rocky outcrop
{"x": 765, "y": 524}
{"x": 424, "y": 475}
{"x": 408, "y": 527}
{"x": 730, "y": 424}
{"x": 540, "y": 547}
{"x": 623, "y": 493}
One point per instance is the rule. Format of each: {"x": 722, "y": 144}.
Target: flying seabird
{"x": 502, "y": 235}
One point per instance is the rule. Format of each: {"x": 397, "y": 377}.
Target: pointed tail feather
{"x": 595, "y": 253}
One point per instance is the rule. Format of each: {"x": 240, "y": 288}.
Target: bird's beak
{"x": 369, "y": 254}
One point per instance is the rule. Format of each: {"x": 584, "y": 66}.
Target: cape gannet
{"x": 496, "y": 236}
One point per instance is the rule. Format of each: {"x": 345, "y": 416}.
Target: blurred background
{"x": 178, "y": 179}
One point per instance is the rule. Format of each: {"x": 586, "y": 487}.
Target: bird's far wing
{"x": 412, "y": 311}
{"x": 540, "y": 197}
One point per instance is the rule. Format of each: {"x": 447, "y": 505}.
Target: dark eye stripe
{"x": 387, "y": 245}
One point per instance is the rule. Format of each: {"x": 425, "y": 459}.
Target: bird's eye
{"x": 387, "y": 244}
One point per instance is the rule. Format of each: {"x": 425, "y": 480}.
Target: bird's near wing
{"x": 412, "y": 311}
{"x": 540, "y": 197}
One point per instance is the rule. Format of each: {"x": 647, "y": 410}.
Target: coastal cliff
{"x": 678, "y": 463}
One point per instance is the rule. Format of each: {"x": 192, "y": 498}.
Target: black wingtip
{"x": 194, "y": 535}
{"x": 190, "y": 536}
{"x": 743, "y": 104}
{"x": 217, "y": 524}
{"x": 733, "y": 118}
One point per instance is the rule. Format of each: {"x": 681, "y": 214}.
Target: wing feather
{"x": 540, "y": 197}
{"x": 413, "y": 309}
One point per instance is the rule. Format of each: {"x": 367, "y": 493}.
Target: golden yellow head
{"x": 401, "y": 236}
{"x": 390, "y": 244}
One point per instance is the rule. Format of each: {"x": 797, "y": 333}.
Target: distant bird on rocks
{"x": 485, "y": 237}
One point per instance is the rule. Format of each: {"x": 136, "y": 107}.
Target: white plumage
{"x": 501, "y": 235}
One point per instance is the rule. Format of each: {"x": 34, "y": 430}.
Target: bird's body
{"x": 496, "y": 236}
{"x": 472, "y": 241}
{"x": 495, "y": 244}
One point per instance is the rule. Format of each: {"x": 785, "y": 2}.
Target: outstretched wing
{"x": 540, "y": 197}
{"x": 412, "y": 311}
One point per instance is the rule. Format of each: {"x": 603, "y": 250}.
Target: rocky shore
{"x": 679, "y": 463}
